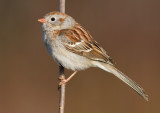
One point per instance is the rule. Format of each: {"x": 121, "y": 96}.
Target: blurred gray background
{"x": 129, "y": 30}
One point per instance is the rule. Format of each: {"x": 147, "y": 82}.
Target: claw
{"x": 63, "y": 81}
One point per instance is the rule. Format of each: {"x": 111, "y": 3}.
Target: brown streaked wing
{"x": 80, "y": 42}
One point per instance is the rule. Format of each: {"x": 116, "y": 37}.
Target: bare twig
{"x": 62, "y": 6}
{"x": 62, "y": 90}
{"x": 61, "y": 70}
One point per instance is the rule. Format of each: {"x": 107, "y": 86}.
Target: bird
{"x": 73, "y": 47}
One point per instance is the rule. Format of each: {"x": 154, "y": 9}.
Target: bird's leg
{"x": 64, "y": 81}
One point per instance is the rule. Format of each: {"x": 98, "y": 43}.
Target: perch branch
{"x": 61, "y": 71}
{"x": 62, "y": 90}
{"x": 62, "y": 6}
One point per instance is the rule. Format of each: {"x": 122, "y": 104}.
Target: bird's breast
{"x": 61, "y": 55}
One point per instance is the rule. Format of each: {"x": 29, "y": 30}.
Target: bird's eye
{"x": 53, "y": 19}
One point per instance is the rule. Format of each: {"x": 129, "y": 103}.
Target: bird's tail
{"x": 124, "y": 78}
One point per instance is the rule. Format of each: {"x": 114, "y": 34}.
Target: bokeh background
{"x": 129, "y": 30}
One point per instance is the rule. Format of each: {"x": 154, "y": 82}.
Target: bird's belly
{"x": 71, "y": 60}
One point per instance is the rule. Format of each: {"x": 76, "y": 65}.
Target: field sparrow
{"x": 72, "y": 46}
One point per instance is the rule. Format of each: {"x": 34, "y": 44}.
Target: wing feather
{"x": 80, "y": 42}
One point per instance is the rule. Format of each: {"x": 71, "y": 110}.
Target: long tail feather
{"x": 124, "y": 78}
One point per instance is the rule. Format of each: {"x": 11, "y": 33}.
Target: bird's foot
{"x": 62, "y": 81}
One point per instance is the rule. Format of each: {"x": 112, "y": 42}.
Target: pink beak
{"x": 42, "y": 20}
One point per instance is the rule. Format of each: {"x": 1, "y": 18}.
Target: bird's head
{"x": 56, "y": 21}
